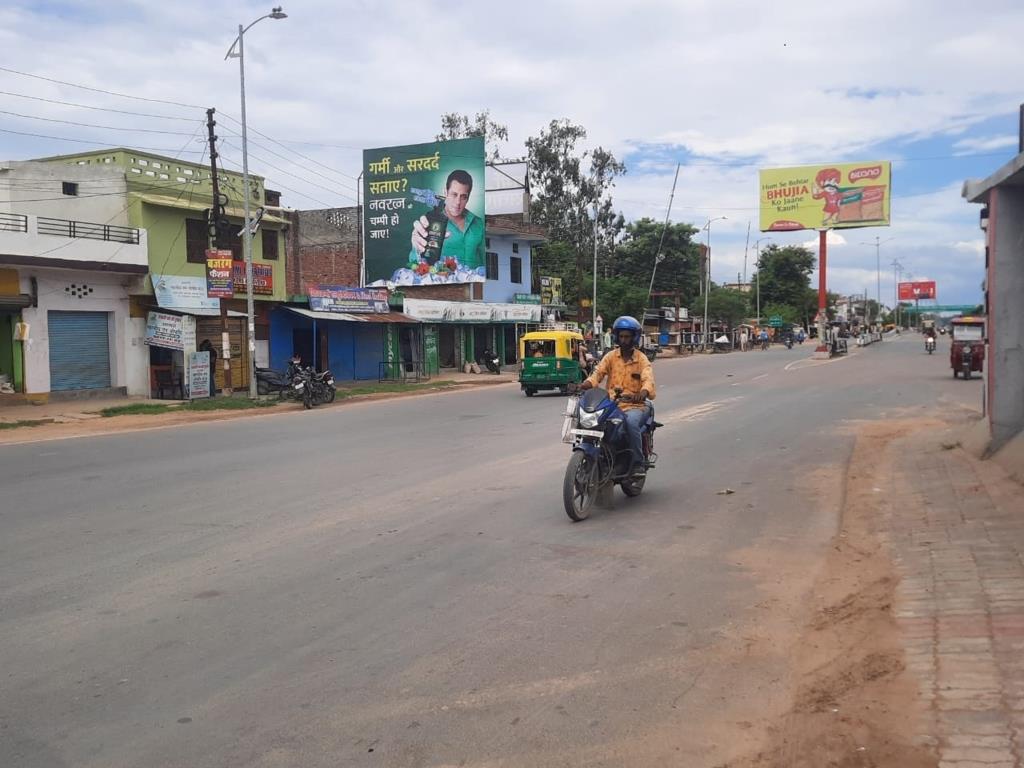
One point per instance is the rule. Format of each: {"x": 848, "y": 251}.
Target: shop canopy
{"x": 367, "y": 317}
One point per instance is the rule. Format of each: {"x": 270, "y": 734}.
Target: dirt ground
{"x": 855, "y": 705}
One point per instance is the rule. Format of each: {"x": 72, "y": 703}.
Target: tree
{"x": 618, "y": 296}
{"x": 458, "y": 126}
{"x": 568, "y": 187}
{"x": 680, "y": 269}
{"x": 784, "y": 276}
{"x": 727, "y": 306}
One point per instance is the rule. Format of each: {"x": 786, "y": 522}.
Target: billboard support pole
{"x": 822, "y": 289}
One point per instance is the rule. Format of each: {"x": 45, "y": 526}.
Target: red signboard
{"x": 262, "y": 278}
{"x": 920, "y": 289}
{"x": 219, "y": 283}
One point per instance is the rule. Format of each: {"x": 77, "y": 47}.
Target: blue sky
{"x": 723, "y": 86}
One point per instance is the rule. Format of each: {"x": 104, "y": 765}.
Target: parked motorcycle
{"x": 314, "y": 388}
{"x": 929, "y": 344}
{"x": 270, "y": 381}
{"x": 491, "y": 361}
{"x": 594, "y": 426}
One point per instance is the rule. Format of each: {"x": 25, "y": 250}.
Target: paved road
{"x": 396, "y": 584}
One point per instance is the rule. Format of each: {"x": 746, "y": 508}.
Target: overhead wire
{"x": 93, "y": 125}
{"x": 294, "y": 176}
{"x": 164, "y": 150}
{"x": 100, "y": 90}
{"x": 282, "y": 186}
{"x": 98, "y": 109}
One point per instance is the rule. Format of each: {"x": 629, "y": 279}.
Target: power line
{"x": 99, "y": 109}
{"x": 100, "y": 90}
{"x": 282, "y": 186}
{"x": 297, "y": 165}
{"x": 93, "y": 125}
{"x": 293, "y": 151}
{"x": 99, "y": 143}
{"x": 294, "y": 176}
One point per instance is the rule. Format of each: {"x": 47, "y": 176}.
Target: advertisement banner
{"x": 342, "y": 298}
{"x": 423, "y": 216}
{"x": 219, "y": 282}
{"x": 839, "y": 196}
{"x": 262, "y": 278}
{"x": 176, "y": 292}
{"x": 197, "y": 380}
{"x": 920, "y": 289}
{"x": 170, "y": 331}
{"x": 551, "y": 291}
{"x": 470, "y": 311}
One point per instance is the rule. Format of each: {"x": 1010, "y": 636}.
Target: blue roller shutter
{"x": 79, "y": 350}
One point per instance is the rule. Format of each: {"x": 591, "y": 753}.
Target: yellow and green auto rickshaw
{"x": 551, "y": 360}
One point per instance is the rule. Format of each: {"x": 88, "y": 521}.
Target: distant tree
{"x": 458, "y": 126}
{"x": 727, "y": 306}
{"x": 784, "y": 275}
{"x": 680, "y": 269}
{"x": 620, "y": 296}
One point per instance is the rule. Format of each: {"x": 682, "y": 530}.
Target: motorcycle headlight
{"x": 590, "y": 419}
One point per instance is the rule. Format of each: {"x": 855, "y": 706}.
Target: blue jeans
{"x": 635, "y": 418}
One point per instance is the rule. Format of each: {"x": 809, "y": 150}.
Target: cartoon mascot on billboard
{"x": 826, "y": 187}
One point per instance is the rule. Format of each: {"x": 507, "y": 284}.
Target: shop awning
{"x": 198, "y": 311}
{"x": 189, "y": 204}
{"x": 18, "y": 301}
{"x": 389, "y": 317}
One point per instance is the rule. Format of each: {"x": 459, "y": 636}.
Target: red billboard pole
{"x": 823, "y": 345}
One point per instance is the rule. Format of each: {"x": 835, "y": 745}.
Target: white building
{"x": 68, "y": 263}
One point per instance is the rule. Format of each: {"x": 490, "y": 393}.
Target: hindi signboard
{"x": 341, "y": 298}
{"x": 424, "y": 214}
{"x": 197, "y": 381}
{"x": 219, "y": 280}
{"x": 179, "y": 292}
{"x": 551, "y": 291}
{"x": 839, "y": 196}
{"x": 262, "y": 278}
{"x": 170, "y": 331}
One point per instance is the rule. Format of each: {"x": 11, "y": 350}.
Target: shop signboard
{"x": 430, "y": 355}
{"x": 919, "y": 289}
{"x": 551, "y": 291}
{"x": 471, "y": 312}
{"x": 348, "y": 300}
{"x": 423, "y": 219}
{"x": 219, "y": 282}
{"x": 262, "y": 278}
{"x": 838, "y": 196}
{"x": 170, "y": 331}
{"x": 526, "y": 298}
{"x": 198, "y": 379}
{"x": 178, "y": 292}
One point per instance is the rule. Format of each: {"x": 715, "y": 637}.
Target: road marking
{"x": 812, "y": 363}
{"x": 696, "y": 412}
{"x": 759, "y": 377}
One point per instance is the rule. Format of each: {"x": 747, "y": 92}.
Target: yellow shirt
{"x": 630, "y": 376}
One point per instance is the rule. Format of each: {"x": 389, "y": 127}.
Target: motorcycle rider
{"x": 629, "y": 370}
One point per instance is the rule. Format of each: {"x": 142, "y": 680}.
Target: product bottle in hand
{"x": 437, "y": 228}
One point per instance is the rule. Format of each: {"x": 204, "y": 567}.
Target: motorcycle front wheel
{"x": 579, "y": 489}
{"x": 307, "y": 398}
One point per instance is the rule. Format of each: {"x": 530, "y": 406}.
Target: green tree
{"x": 458, "y": 126}
{"x": 784, "y": 274}
{"x": 680, "y": 267}
{"x": 727, "y": 306}
{"x": 787, "y": 312}
{"x": 620, "y": 296}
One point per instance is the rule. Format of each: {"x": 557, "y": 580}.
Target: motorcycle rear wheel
{"x": 307, "y": 398}
{"x": 579, "y": 489}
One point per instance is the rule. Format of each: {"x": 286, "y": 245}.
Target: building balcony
{"x": 42, "y": 241}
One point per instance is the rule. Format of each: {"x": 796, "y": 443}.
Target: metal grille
{"x": 13, "y": 222}
{"x": 88, "y": 230}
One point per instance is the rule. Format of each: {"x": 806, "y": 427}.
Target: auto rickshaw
{"x": 551, "y": 360}
{"x": 967, "y": 352}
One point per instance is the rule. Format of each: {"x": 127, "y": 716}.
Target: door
{"x": 79, "y": 350}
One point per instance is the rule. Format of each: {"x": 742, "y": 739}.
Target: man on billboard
{"x": 462, "y": 246}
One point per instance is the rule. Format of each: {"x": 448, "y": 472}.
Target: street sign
{"x": 775, "y": 321}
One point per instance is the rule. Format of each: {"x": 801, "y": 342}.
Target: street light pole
{"x": 757, "y": 252}
{"x": 707, "y": 280}
{"x": 275, "y": 13}
{"x": 593, "y": 306}
{"x": 878, "y": 271}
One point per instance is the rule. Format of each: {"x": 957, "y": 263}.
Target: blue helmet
{"x": 627, "y": 323}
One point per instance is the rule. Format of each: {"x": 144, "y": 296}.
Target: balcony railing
{"x": 87, "y": 230}
{"x": 13, "y": 222}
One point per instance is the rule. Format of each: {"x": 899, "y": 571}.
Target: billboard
{"x": 837, "y": 196}
{"x": 920, "y": 289}
{"x": 423, "y": 215}
{"x": 344, "y": 299}
{"x": 551, "y": 291}
{"x": 219, "y": 282}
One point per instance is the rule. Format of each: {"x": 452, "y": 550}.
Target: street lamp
{"x": 878, "y": 272}
{"x": 757, "y": 250}
{"x": 707, "y": 281}
{"x": 275, "y": 13}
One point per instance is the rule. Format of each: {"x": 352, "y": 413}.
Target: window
{"x": 515, "y": 247}
{"x": 270, "y": 243}
{"x": 196, "y": 241}
{"x": 492, "y": 266}
{"x": 143, "y": 162}
{"x": 487, "y": 242}
{"x": 188, "y": 171}
{"x": 68, "y": 188}
{"x": 516, "y": 269}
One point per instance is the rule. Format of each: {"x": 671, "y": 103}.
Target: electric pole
{"x": 214, "y": 231}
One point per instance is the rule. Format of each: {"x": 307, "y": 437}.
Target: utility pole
{"x": 213, "y": 232}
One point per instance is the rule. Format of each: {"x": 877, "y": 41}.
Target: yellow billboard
{"x": 837, "y": 196}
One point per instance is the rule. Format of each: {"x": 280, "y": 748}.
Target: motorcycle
{"x": 314, "y": 388}
{"x": 492, "y": 362}
{"x": 269, "y": 381}
{"x": 929, "y": 344}
{"x": 789, "y": 342}
{"x": 594, "y": 426}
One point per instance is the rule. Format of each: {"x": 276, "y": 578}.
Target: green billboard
{"x": 423, "y": 216}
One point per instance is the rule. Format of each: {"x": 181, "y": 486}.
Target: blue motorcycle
{"x": 600, "y": 450}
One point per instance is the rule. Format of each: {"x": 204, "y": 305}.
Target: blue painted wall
{"x": 354, "y": 350}
{"x": 503, "y": 289}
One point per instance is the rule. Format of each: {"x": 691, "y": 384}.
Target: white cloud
{"x": 986, "y": 143}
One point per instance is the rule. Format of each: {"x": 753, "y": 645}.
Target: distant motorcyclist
{"x": 628, "y": 370}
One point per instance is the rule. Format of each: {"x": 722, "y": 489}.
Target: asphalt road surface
{"x": 395, "y": 583}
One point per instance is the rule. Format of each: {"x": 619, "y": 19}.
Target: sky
{"x": 722, "y": 87}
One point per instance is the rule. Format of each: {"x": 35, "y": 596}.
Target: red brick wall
{"x": 457, "y": 292}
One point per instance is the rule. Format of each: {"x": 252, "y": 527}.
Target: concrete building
{"x": 1002, "y": 219}
{"x": 69, "y": 262}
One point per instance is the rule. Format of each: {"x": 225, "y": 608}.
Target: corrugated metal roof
{"x": 369, "y": 317}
